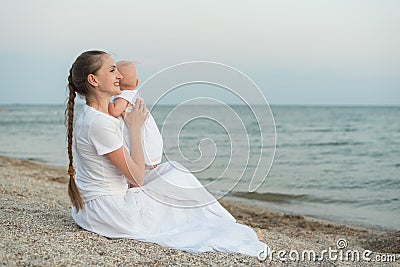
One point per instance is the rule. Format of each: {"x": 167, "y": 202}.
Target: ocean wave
{"x": 322, "y": 144}
{"x": 290, "y": 198}
{"x": 343, "y": 143}
{"x": 16, "y": 123}
{"x": 270, "y": 197}
{"x": 322, "y": 130}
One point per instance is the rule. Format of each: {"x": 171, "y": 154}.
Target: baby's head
{"x": 128, "y": 71}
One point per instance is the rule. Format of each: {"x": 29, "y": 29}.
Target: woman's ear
{"x": 92, "y": 80}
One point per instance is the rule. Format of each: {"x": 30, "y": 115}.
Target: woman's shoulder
{"x": 97, "y": 119}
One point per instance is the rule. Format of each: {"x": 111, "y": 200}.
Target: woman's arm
{"x": 134, "y": 172}
{"x": 132, "y": 166}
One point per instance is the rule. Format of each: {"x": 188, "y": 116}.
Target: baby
{"x": 152, "y": 142}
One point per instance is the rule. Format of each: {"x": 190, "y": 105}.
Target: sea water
{"x": 340, "y": 163}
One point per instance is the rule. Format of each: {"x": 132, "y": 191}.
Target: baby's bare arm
{"x": 115, "y": 109}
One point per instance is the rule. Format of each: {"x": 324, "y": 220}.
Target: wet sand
{"x": 37, "y": 230}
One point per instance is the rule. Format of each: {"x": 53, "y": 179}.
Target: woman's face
{"x": 108, "y": 76}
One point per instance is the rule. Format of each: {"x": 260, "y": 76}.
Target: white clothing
{"x": 170, "y": 209}
{"x": 152, "y": 142}
{"x": 96, "y": 134}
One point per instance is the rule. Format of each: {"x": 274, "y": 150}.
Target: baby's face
{"x": 129, "y": 80}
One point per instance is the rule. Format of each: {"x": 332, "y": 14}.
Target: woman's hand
{"x": 132, "y": 165}
{"x": 138, "y": 115}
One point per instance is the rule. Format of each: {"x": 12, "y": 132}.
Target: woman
{"x": 167, "y": 206}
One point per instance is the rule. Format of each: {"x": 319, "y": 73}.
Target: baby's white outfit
{"x": 151, "y": 138}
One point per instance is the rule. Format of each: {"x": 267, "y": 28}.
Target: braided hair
{"x": 88, "y": 62}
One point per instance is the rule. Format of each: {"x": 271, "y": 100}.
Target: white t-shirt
{"x": 96, "y": 134}
{"x": 152, "y": 142}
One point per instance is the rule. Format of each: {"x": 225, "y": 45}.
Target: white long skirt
{"x": 173, "y": 210}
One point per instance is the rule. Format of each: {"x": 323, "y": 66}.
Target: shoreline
{"x": 264, "y": 205}
{"x": 37, "y": 229}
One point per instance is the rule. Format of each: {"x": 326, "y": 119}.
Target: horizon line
{"x": 236, "y": 104}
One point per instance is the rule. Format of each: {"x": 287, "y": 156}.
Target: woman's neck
{"x": 98, "y": 104}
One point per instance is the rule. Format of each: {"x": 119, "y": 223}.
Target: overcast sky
{"x": 297, "y": 52}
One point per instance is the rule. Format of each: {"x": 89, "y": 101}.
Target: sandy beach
{"x": 37, "y": 230}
